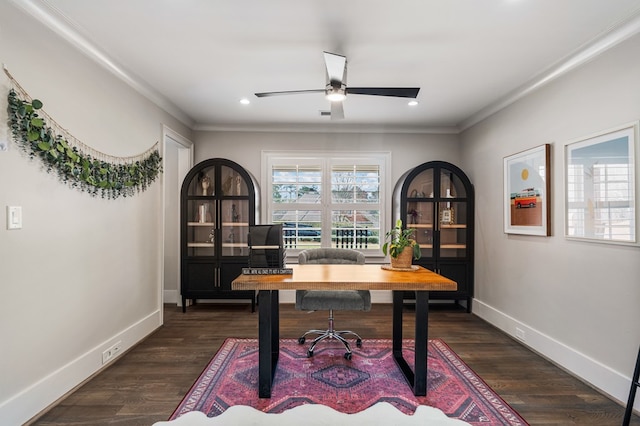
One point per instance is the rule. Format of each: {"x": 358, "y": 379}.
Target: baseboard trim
{"x": 33, "y": 401}
{"x": 600, "y": 376}
{"x": 171, "y": 296}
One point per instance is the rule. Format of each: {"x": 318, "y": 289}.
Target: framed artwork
{"x": 526, "y": 192}
{"x": 600, "y": 187}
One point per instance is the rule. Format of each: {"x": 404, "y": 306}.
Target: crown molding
{"x": 588, "y": 51}
{"x": 65, "y": 28}
{"x": 316, "y": 128}
{"x": 53, "y": 19}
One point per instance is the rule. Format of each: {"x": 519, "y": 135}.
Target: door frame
{"x": 182, "y": 164}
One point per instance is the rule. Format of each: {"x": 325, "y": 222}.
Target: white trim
{"x": 613, "y": 383}
{"x": 185, "y": 162}
{"x": 55, "y": 20}
{"x": 582, "y": 55}
{"x": 171, "y": 296}
{"x": 326, "y": 159}
{"x": 327, "y": 128}
{"x": 28, "y": 403}
{"x": 63, "y": 26}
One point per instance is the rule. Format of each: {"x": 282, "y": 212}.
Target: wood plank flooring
{"x": 145, "y": 384}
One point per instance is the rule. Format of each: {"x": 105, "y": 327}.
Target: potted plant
{"x": 401, "y": 246}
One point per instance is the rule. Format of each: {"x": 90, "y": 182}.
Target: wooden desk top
{"x": 346, "y": 277}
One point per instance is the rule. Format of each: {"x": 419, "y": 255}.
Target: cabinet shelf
{"x": 453, "y": 246}
{"x": 200, "y": 245}
{"x": 235, "y": 245}
{"x": 232, "y": 224}
{"x": 209, "y": 224}
{"x": 442, "y": 226}
{"x": 420, "y": 225}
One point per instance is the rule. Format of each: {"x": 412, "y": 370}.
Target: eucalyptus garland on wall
{"x": 75, "y": 163}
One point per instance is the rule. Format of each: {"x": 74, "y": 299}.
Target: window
{"x": 324, "y": 200}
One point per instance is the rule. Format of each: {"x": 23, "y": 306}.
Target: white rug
{"x": 380, "y": 414}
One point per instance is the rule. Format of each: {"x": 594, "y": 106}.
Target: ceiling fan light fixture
{"x": 336, "y": 96}
{"x": 336, "y": 92}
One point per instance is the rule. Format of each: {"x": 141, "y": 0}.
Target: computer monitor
{"x": 266, "y": 246}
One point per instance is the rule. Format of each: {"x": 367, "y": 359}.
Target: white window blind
{"x": 326, "y": 201}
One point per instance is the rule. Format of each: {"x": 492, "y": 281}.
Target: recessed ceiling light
{"x": 245, "y": 101}
{"x": 413, "y": 103}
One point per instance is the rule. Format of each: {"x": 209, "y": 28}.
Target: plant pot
{"x": 404, "y": 259}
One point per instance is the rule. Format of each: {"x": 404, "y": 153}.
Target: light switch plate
{"x": 14, "y": 217}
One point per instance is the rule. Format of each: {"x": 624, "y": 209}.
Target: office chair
{"x": 343, "y": 300}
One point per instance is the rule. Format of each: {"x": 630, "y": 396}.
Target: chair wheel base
{"x": 359, "y": 343}
{"x": 347, "y": 356}
{"x": 301, "y": 340}
{"x": 309, "y": 353}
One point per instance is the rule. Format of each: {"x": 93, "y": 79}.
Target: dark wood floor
{"x": 148, "y": 382}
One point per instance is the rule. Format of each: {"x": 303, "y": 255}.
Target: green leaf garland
{"x": 74, "y": 167}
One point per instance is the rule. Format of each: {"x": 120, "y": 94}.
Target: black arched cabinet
{"x": 437, "y": 200}
{"x": 218, "y": 204}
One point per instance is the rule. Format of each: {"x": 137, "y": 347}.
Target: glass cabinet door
{"x": 422, "y": 186}
{"x": 453, "y": 229}
{"x": 232, "y": 183}
{"x": 420, "y": 219}
{"x": 201, "y": 214}
{"x": 201, "y": 227}
{"x": 452, "y": 215}
{"x": 451, "y": 186}
{"x": 436, "y": 208}
{"x": 420, "y": 210}
{"x": 235, "y": 227}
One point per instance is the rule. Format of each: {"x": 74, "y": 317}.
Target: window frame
{"x": 326, "y": 160}
{"x": 576, "y": 178}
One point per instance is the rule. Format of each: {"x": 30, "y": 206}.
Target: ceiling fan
{"x": 336, "y": 89}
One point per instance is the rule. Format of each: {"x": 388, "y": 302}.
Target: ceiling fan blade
{"x": 399, "y": 92}
{"x": 337, "y": 111}
{"x": 336, "y": 67}
{"x": 289, "y": 92}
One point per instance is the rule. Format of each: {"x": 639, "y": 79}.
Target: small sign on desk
{"x": 267, "y": 271}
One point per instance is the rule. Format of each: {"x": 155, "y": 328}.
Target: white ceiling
{"x": 198, "y": 58}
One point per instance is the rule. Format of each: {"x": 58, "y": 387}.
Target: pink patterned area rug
{"x": 372, "y": 376}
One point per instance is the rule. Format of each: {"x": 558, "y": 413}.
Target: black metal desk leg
{"x": 397, "y": 323}
{"x": 422, "y": 341}
{"x": 268, "y": 340}
{"x": 632, "y": 393}
{"x": 398, "y": 305}
{"x": 275, "y": 331}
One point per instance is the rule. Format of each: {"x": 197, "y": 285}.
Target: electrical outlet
{"x": 111, "y": 352}
{"x": 520, "y": 334}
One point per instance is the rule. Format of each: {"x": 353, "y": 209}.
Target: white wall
{"x": 84, "y": 272}
{"x": 578, "y": 303}
{"x": 407, "y": 150}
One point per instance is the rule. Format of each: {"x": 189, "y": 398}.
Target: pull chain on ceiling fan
{"x": 336, "y": 89}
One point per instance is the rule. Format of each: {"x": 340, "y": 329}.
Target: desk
{"x": 344, "y": 277}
